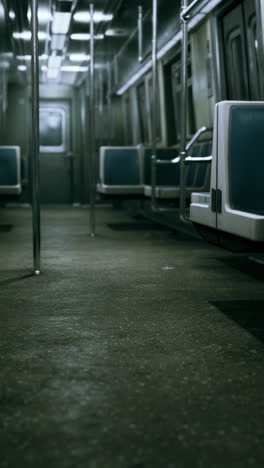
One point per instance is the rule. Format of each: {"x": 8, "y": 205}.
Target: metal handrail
{"x": 185, "y": 14}
{"x": 92, "y": 190}
{"x": 198, "y": 159}
{"x": 35, "y": 140}
{"x": 168, "y": 161}
{"x": 195, "y": 137}
{"x": 154, "y": 103}
{"x": 140, "y": 33}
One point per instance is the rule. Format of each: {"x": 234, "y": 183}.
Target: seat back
{"x": 167, "y": 175}
{"x": 10, "y": 170}
{"x": 120, "y": 166}
{"x": 246, "y": 158}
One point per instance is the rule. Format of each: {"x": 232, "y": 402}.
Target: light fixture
{"x": 79, "y": 57}
{"x": 44, "y": 68}
{"x": 22, "y": 67}
{"x": 27, "y": 58}
{"x": 55, "y": 61}
{"x": 85, "y": 36}
{"x": 61, "y": 22}
{"x": 26, "y": 35}
{"x": 12, "y": 15}
{"x": 58, "y": 41}
{"x": 98, "y": 17}
{"x": 44, "y": 15}
{"x": 53, "y": 73}
{"x": 73, "y": 68}
{"x": 117, "y": 32}
{"x": 4, "y": 65}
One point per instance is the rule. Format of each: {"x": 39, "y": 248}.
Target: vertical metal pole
{"x": 35, "y": 137}
{"x": 184, "y": 78}
{"x": 140, "y": 33}
{"x": 109, "y": 102}
{"x": 92, "y": 126}
{"x": 154, "y": 105}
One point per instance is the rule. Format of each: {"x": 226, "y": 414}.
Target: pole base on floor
{"x": 36, "y": 273}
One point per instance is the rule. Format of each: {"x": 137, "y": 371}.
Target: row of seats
{"x": 227, "y": 194}
{"x": 127, "y": 171}
{"x": 235, "y": 202}
{"x": 10, "y": 170}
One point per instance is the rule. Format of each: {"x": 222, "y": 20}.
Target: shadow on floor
{"x": 6, "y": 227}
{"x": 245, "y": 265}
{"x": 16, "y": 279}
{"x": 248, "y": 314}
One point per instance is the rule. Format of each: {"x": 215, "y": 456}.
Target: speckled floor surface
{"x": 117, "y": 356}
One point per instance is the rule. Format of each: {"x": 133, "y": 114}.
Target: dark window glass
{"x": 128, "y": 123}
{"x": 254, "y": 72}
{"x": 142, "y": 110}
{"x": 50, "y": 126}
{"x": 158, "y": 120}
{"x": 176, "y": 95}
{"x": 238, "y": 85}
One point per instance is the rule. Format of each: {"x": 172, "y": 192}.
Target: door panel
{"x": 55, "y": 155}
{"x": 252, "y": 49}
{"x": 235, "y": 55}
{"x": 240, "y": 47}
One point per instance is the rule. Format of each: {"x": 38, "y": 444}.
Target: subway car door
{"x": 55, "y": 155}
{"x": 235, "y": 55}
{"x": 240, "y": 49}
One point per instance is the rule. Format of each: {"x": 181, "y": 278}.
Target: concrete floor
{"x": 117, "y": 356}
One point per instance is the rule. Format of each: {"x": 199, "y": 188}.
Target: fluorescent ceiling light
{"x": 61, "y": 22}
{"x": 44, "y": 68}
{"x": 79, "y": 57}
{"x": 116, "y": 32}
{"x": 73, "y": 68}
{"x": 4, "y": 65}
{"x": 58, "y": 41}
{"x": 44, "y": 15}
{"x": 6, "y": 55}
{"x": 55, "y": 61}
{"x": 12, "y": 15}
{"x": 22, "y": 67}
{"x": 98, "y": 16}
{"x": 27, "y": 58}
{"x": 53, "y": 73}
{"x": 85, "y": 36}
{"x": 26, "y": 35}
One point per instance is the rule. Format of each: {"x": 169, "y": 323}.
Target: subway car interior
{"x": 131, "y": 233}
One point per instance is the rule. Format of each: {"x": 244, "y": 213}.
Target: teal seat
{"x": 10, "y": 170}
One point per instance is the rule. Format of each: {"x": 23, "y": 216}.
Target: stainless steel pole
{"x": 92, "y": 127}
{"x": 184, "y": 77}
{"x": 109, "y": 102}
{"x": 35, "y": 138}
{"x": 140, "y": 33}
{"x": 154, "y": 105}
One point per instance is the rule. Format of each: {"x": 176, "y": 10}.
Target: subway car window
{"x": 51, "y": 128}
{"x": 176, "y": 96}
{"x": 150, "y": 100}
{"x": 142, "y": 112}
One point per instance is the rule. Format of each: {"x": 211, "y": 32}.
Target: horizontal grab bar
{"x": 198, "y": 159}
{"x": 168, "y": 161}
